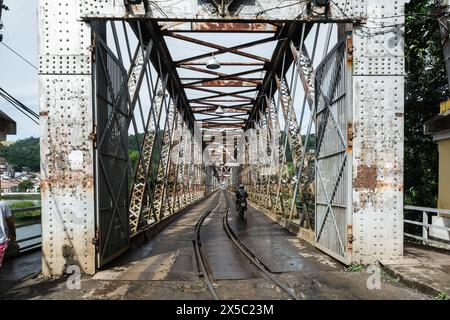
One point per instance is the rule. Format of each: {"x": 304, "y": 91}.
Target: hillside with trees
{"x": 22, "y": 153}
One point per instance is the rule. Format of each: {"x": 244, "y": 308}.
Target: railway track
{"x": 202, "y": 263}
{"x": 246, "y": 252}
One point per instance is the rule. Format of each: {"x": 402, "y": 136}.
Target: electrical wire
{"x": 33, "y": 116}
{"x": 19, "y": 55}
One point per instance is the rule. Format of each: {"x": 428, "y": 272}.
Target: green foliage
{"x": 21, "y": 204}
{"x": 6, "y": 196}
{"x": 442, "y": 296}
{"x": 134, "y": 157}
{"x": 387, "y": 277}
{"x": 22, "y": 153}
{"x": 133, "y": 142}
{"x": 426, "y": 87}
{"x": 25, "y": 185}
{"x": 355, "y": 267}
{"x": 20, "y": 216}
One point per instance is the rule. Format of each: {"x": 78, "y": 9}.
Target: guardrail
{"x": 426, "y": 226}
{"x": 35, "y": 244}
{"x": 423, "y": 237}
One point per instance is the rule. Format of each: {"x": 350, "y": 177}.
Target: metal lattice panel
{"x": 333, "y": 107}
{"x": 111, "y": 154}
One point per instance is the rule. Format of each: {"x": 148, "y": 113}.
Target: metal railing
{"x": 35, "y": 244}
{"x": 424, "y": 236}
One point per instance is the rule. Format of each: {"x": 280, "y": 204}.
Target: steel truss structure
{"x": 133, "y": 130}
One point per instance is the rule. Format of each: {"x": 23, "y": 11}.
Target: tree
{"x": 25, "y": 185}
{"x": 426, "y": 87}
{"x": 22, "y": 153}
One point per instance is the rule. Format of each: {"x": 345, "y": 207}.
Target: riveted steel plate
{"x": 378, "y": 168}
{"x": 263, "y": 10}
{"x": 378, "y": 43}
{"x": 66, "y": 125}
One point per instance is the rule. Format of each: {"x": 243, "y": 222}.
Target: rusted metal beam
{"x": 220, "y": 92}
{"x": 208, "y": 125}
{"x": 231, "y": 110}
{"x": 245, "y": 106}
{"x": 233, "y": 49}
{"x": 224, "y": 83}
{"x": 219, "y": 75}
{"x": 241, "y": 27}
{"x": 212, "y": 45}
{"x": 237, "y": 94}
{"x": 225, "y": 63}
{"x": 233, "y": 76}
{"x": 224, "y": 100}
{"x": 221, "y": 118}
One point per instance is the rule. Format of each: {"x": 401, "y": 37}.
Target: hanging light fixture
{"x": 219, "y": 110}
{"x": 213, "y": 63}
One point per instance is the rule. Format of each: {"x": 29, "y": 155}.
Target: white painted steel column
{"x": 66, "y": 121}
{"x": 377, "y": 132}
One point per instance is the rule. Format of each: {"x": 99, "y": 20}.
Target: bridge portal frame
{"x": 67, "y": 65}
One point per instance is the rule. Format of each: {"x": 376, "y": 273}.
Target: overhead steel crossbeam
{"x": 202, "y": 15}
{"x": 226, "y": 91}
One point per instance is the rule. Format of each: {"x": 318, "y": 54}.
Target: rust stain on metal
{"x": 349, "y": 137}
{"x": 232, "y": 26}
{"x": 350, "y": 50}
{"x": 349, "y": 237}
{"x": 67, "y": 180}
{"x": 366, "y": 177}
{"x": 399, "y": 114}
{"x": 229, "y": 83}
{"x": 43, "y": 113}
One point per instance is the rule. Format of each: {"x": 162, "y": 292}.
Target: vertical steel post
{"x": 66, "y": 137}
{"x": 376, "y": 132}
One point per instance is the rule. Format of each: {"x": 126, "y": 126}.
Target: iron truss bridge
{"x": 146, "y": 107}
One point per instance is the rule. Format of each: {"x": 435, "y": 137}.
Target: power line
{"x": 18, "y": 54}
{"x": 33, "y": 116}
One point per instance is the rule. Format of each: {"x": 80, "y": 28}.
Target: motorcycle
{"x": 242, "y": 206}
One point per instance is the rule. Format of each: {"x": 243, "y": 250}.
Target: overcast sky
{"x": 16, "y": 76}
{"x": 20, "y": 79}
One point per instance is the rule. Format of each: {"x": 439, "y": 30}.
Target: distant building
{"x": 9, "y": 186}
{"x": 439, "y": 129}
{"x": 7, "y": 126}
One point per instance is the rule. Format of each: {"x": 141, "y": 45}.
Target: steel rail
{"x": 254, "y": 259}
{"x": 200, "y": 257}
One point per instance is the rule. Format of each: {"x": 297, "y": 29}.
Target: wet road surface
{"x": 165, "y": 266}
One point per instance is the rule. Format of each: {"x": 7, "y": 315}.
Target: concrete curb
{"x": 411, "y": 282}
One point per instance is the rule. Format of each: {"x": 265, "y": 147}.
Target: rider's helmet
{"x": 241, "y": 186}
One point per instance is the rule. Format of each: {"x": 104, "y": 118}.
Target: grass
{"x": 442, "y": 296}
{"x": 6, "y": 196}
{"x": 24, "y": 216}
{"x": 355, "y": 267}
{"x": 387, "y": 277}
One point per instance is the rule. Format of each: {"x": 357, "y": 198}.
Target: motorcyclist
{"x": 241, "y": 194}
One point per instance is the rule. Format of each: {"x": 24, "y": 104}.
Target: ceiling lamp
{"x": 212, "y": 63}
{"x": 219, "y": 110}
